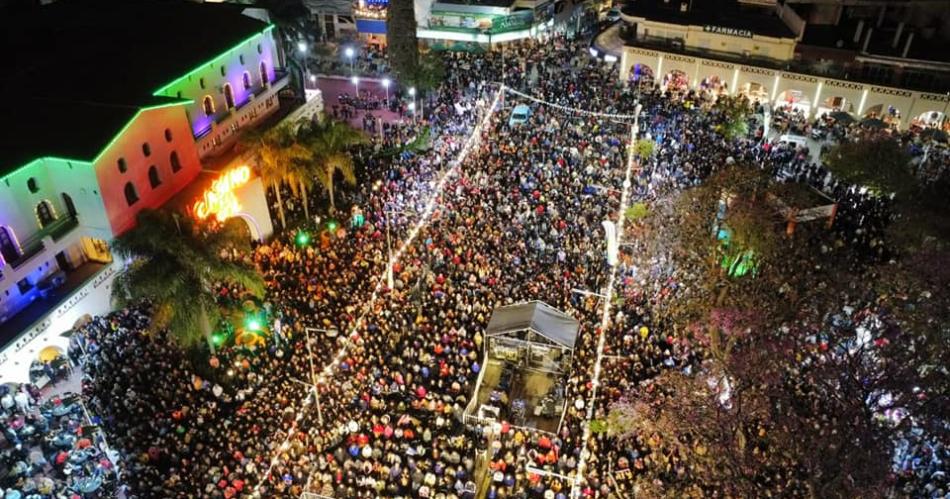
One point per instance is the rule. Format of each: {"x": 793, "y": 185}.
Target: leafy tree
{"x": 330, "y": 143}
{"x": 735, "y": 111}
{"x": 401, "y": 33}
{"x": 176, "y": 265}
{"x": 878, "y": 163}
{"x": 645, "y": 148}
{"x": 277, "y": 155}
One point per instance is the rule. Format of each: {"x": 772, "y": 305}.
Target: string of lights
{"x": 566, "y": 109}
{"x": 328, "y": 370}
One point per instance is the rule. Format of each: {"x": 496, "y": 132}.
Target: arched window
{"x": 153, "y": 179}
{"x": 32, "y": 185}
{"x": 175, "y": 162}
{"x": 247, "y": 80}
{"x": 241, "y": 58}
{"x": 223, "y": 70}
{"x": 70, "y": 206}
{"x": 44, "y": 213}
{"x": 123, "y": 166}
{"x": 208, "y": 105}
{"x": 131, "y": 195}
{"x": 8, "y": 247}
{"x": 146, "y": 150}
{"x": 264, "y": 78}
{"x": 228, "y": 95}
{"x": 168, "y": 135}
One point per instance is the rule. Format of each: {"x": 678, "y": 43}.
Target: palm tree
{"x": 428, "y": 74}
{"x": 401, "y": 33}
{"x": 176, "y": 263}
{"x": 276, "y": 151}
{"x": 330, "y": 143}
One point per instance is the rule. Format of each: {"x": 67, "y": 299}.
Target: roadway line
{"x": 472, "y": 141}
{"x": 605, "y": 319}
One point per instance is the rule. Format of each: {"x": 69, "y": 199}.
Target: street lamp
{"x": 412, "y": 105}
{"x": 350, "y": 53}
{"x": 356, "y": 83}
{"x": 302, "y": 48}
{"x": 386, "y": 83}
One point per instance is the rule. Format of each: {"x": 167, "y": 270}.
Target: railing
{"x": 33, "y": 245}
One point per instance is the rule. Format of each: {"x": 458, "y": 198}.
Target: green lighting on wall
{"x": 212, "y": 61}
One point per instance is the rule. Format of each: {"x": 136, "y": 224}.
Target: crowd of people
{"x": 360, "y": 388}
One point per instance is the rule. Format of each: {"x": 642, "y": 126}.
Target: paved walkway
{"x": 335, "y": 86}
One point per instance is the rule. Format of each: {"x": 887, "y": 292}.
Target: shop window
{"x": 153, "y": 179}
{"x": 131, "y": 195}
{"x": 208, "y": 105}
{"x": 175, "y": 162}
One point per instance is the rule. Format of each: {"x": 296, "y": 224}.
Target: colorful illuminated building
{"x": 111, "y": 108}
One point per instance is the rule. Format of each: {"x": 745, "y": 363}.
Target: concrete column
{"x": 880, "y": 15}
{"x": 867, "y": 40}
{"x": 857, "y": 32}
{"x": 897, "y": 34}
{"x": 910, "y": 38}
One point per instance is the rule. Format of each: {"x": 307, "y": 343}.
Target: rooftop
{"x": 722, "y": 13}
{"x": 81, "y": 69}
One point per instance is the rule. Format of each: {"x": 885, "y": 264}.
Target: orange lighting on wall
{"x": 220, "y": 200}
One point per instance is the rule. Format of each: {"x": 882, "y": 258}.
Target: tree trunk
{"x": 280, "y": 205}
{"x": 306, "y": 201}
{"x": 330, "y": 191}
{"x": 206, "y": 329}
{"x": 401, "y": 31}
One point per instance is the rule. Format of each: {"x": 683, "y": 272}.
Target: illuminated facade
{"x": 79, "y": 162}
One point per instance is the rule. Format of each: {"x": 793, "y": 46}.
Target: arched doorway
{"x": 833, "y": 104}
{"x": 676, "y": 81}
{"x": 228, "y": 95}
{"x": 640, "y": 75}
{"x": 254, "y": 230}
{"x": 886, "y": 113}
{"x": 713, "y": 85}
{"x": 931, "y": 119}
{"x": 44, "y": 213}
{"x": 70, "y": 206}
{"x": 793, "y": 101}
{"x": 8, "y": 246}
{"x": 755, "y": 92}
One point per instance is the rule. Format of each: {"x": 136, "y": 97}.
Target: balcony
{"x": 33, "y": 245}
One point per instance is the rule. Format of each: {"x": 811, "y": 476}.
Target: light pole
{"x": 302, "y": 48}
{"x": 350, "y": 54}
{"x": 412, "y": 105}
{"x": 386, "y": 83}
{"x": 356, "y": 84}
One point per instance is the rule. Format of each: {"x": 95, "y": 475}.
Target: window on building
{"x": 178, "y": 94}
{"x": 131, "y": 195}
{"x": 24, "y": 285}
{"x": 168, "y": 135}
{"x": 260, "y": 50}
{"x": 146, "y": 149}
{"x": 153, "y": 179}
{"x": 123, "y": 166}
{"x": 175, "y": 162}
{"x": 32, "y": 185}
{"x": 201, "y": 82}
{"x": 228, "y": 95}
{"x": 8, "y": 248}
{"x": 44, "y": 213}
{"x": 241, "y": 58}
{"x": 70, "y": 206}
{"x": 208, "y": 105}
{"x": 247, "y": 80}
{"x": 264, "y": 78}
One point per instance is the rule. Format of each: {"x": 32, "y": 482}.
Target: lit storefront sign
{"x": 722, "y": 30}
{"x": 220, "y": 200}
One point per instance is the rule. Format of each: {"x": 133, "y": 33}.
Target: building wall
{"x": 782, "y": 49}
{"x": 148, "y": 127}
{"x": 777, "y": 85}
{"x": 210, "y": 79}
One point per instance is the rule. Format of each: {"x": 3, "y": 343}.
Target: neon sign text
{"x": 220, "y": 199}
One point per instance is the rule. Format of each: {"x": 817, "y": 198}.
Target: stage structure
{"x": 527, "y": 355}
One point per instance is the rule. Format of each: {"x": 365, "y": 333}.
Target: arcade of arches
{"x": 811, "y": 95}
